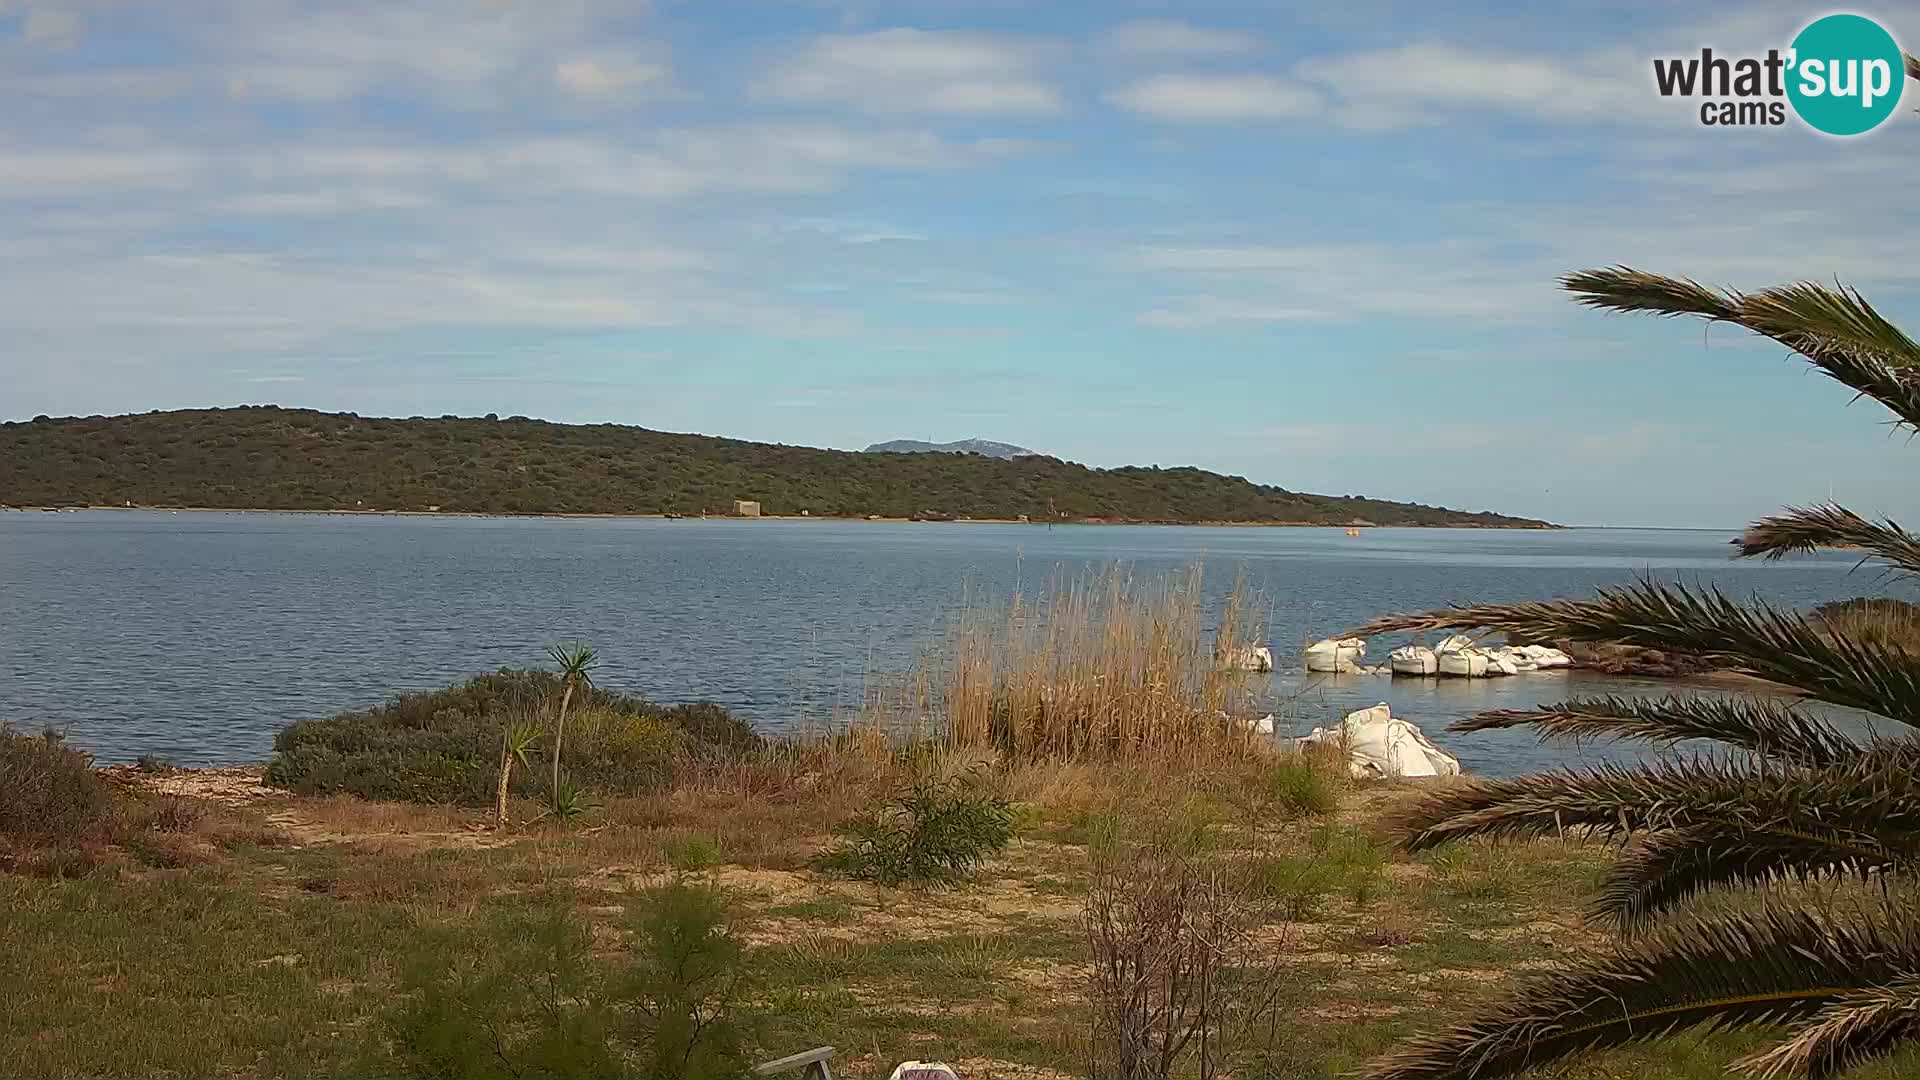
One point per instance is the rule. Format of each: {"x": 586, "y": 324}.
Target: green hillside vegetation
{"x": 270, "y": 458}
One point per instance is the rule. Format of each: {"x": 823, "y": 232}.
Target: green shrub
{"x": 937, "y": 831}
{"x": 686, "y": 983}
{"x": 1336, "y": 861}
{"x": 531, "y": 1003}
{"x": 49, "y": 792}
{"x": 1299, "y": 785}
{"x": 688, "y": 854}
{"x": 444, "y": 746}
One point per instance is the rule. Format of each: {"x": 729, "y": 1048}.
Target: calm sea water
{"x": 197, "y": 635}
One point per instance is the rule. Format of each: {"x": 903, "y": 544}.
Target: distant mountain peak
{"x": 983, "y": 447}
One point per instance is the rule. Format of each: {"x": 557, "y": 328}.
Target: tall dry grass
{"x": 1877, "y": 621}
{"x": 1105, "y": 664}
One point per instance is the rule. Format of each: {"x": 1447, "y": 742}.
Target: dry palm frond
{"x": 1872, "y": 798}
{"x": 1762, "y": 727}
{"x": 1835, "y": 329}
{"x": 1815, "y": 527}
{"x": 1855, "y": 1029}
{"x": 1666, "y": 868}
{"x": 1775, "y": 965}
{"x": 1774, "y": 644}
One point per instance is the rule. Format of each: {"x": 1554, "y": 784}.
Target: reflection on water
{"x": 197, "y": 635}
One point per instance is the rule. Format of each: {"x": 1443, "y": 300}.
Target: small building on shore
{"x": 746, "y": 508}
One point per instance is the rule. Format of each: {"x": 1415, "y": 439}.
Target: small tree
{"x": 576, "y": 664}
{"x": 1178, "y": 978}
{"x": 687, "y": 979}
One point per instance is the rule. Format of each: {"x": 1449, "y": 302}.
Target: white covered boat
{"x": 1379, "y": 745}
{"x": 1336, "y": 657}
{"x": 1414, "y": 660}
{"x": 1463, "y": 663}
{"x": 1248, "y": 658}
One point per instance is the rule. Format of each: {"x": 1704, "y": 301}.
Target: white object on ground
{"x": 1502, "y": 662}
{"x": 1264, "y": 725}
{"x": 1456, "y": 643}
{"x": 1336, "y": 657}
{"x": 1413, "y": 660}
{"x": 1518, "y": 659}
{"x": 924, "y": 1070}
{"x": 1545, "y": 657}
{"x": 1379, "y": 744}
{"x": 1464, "y": 663}
{"x": 1248, "y": 658}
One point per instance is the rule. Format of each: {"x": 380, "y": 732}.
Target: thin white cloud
{"x": 38, "y": 170}
{"x": 337, "y": 175}
{"x": 325, "y": 201}
{"x": 1273, "y": 283}
{"x": 609, "y": 75}
{"x": 907, "y": 70}
{"x": 1172, "y": 37}
{"x": 54, "y": 28}
{"x": 459, "y": 53}
{"x": 1217, "y": 97}
{"x": 1426, "y": 82}
{"x": 1198, "y": 312}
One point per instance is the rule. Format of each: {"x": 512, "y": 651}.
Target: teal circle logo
{"x": 1845, "y": 74}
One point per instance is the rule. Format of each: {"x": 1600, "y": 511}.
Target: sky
{"x": 1314, "y": 245}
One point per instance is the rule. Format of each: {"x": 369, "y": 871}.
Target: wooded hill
{"x": 266, "y": 457}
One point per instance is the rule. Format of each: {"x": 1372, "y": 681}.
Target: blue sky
{"x": 1310, "y": 244}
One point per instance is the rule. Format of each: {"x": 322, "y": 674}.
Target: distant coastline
{"x": 264, "y": 457}
{"x": 877, "y": 519}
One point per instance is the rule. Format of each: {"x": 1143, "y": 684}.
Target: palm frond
{"x": 1811, "y": 318}
{"x": 1873, "y": 798}
{"x": 1913, "y": 66}
{"x": 1768, "y": 966}
{"x": 1622, "y": 288}
{"x": 1811, "y": 528}
{"x": 1761, "y": 726}
{"x": 1774, "y": 644}
{"x": 1836, "y": 329}
{"x": 1855, "y": 1029}
{"x": 1664, "y": 869}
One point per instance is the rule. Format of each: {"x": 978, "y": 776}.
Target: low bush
{"x": 690, "y": 854}
{"x": 1295, "y": 785}
{"x": 49, "y": 793}
{"x": 1338, "y": 861}
{"x": 533, "y": 1003}
{"x": 444, "y": 746}
{"x": 936, "y": 831}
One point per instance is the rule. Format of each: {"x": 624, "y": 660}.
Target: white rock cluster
{"x": 1457, "y": 657}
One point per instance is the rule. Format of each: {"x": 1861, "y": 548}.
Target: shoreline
{"x": 878, "y": 519}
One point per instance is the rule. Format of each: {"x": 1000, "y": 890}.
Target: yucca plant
{"x": 1786, "y": 799}
{"x": 516, "y": 739}
{"x": 576, "y": 664}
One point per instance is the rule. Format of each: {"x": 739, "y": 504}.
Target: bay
{"x": 196, "y": 635}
